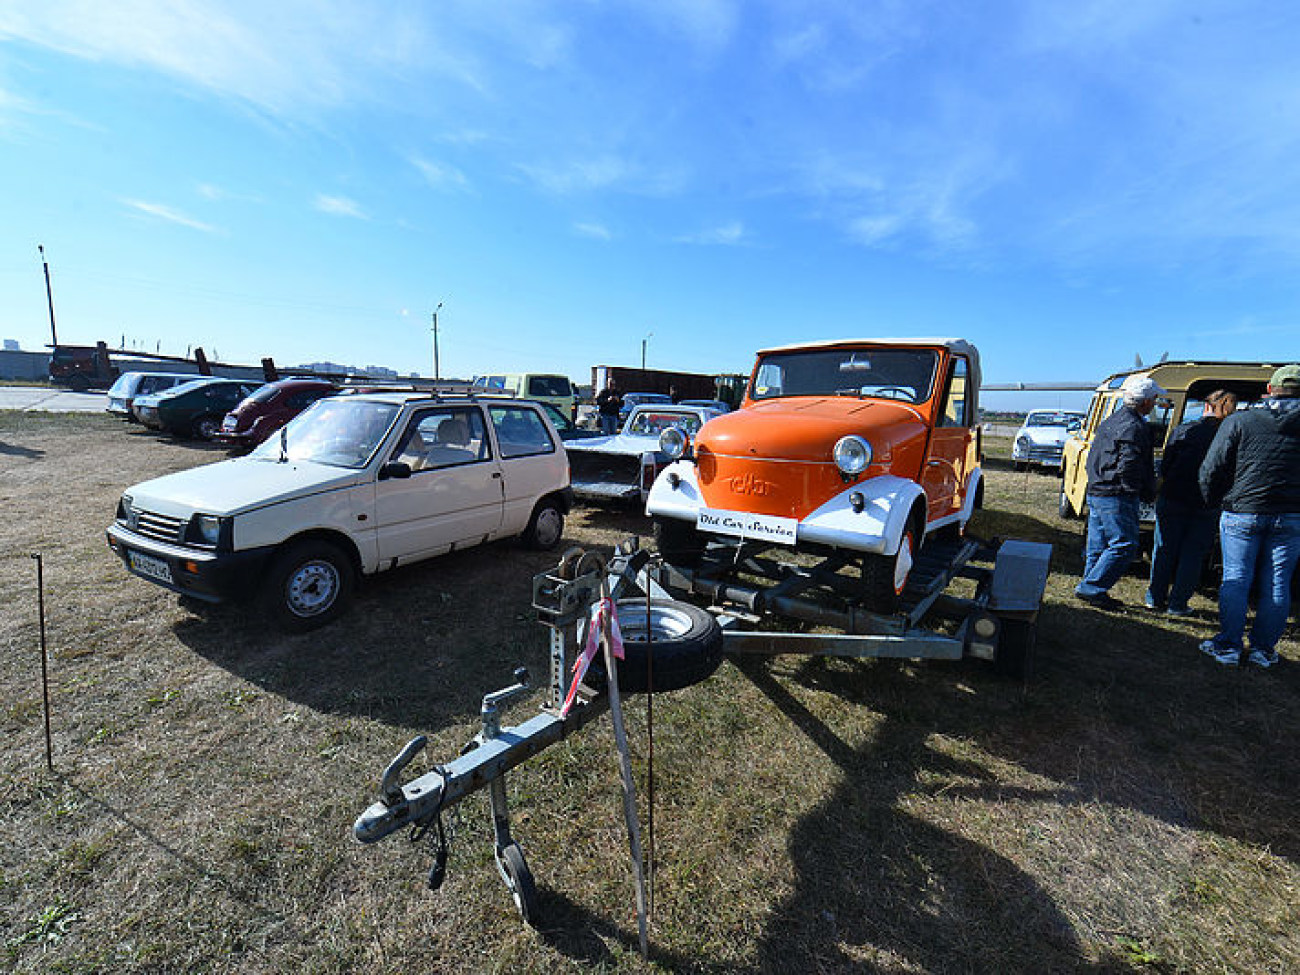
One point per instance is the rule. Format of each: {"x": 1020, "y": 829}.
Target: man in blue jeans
{"x": 1121, "y": 475}
{"x": 1253, "y": 470}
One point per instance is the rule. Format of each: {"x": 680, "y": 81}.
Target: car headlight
{"x": 674, "y": 443}
{"x": 205, "y": 530}
{"x": 852, "y": 455}
{"x": 125, "y": 512}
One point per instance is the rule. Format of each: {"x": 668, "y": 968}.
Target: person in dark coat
{"x": 1184, "y": 522}
{"x": 1121, "y": 475}
{"x": 1253, "y": 470}
{"x": 608, "y": 402}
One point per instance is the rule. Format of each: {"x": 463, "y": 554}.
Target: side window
{"x": 520, "y": 432}
{"x": 443, "y": 437}
{"x": 305, "y": 398}
{"x": 956, "y": 397}
{"x": 769, "y": 380}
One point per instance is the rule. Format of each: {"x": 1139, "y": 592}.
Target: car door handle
{"x": 497, "y": 475}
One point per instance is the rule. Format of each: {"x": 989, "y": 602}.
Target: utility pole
{"x": 436, "y": 374}
{"x": 643, "y": 343}
{"x": 49, "y": 295}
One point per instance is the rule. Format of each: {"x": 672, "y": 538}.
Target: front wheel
{"x": 207, "y": 427}
{"x": 309, "y": 584}
{"x": 678, "y": 542}
{"x": 519, "y": 880}
{"x": 545, "y": 527}
{"x": 1063, "y": 506}
{"x": 884, "y": 577}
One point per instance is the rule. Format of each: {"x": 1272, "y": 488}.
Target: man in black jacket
{"x": 1121, "y": 475}
{"x": 1253, "y": 470}
{"x": 1184, "y": 522}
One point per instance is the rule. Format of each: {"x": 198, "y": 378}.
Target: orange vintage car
{"x": 861, "y": 447}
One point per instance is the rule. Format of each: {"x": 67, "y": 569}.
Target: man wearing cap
{"x": 1121, "y": 475}
{"x": 1253, "y": 471}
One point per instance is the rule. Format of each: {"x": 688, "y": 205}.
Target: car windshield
{"x": 340, "y": 433}
{"x": 901, "y": 374}
{"x": 1051, "y": 419}
{"x": 651, "y": 423}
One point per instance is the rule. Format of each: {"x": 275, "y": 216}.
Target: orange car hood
{"x": 805, "y": 428}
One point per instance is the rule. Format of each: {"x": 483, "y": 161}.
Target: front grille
{"x": 1050, "y": 454}
{"x": 162, "y": 528}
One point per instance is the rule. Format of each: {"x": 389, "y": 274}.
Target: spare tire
{"x": 675, "y": 646}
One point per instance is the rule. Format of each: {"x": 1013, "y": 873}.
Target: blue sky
{"x": 1067, "y": 185}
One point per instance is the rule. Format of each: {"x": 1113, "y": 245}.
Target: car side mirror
{"x": 398, "y": 469}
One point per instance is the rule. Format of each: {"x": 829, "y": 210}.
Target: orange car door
{"x": 952, "y": 446}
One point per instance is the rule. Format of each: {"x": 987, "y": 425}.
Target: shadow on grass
{"x": 13, "y": 450}
{"x": 1123, "y": 713}
{"x": 419, "y": 647}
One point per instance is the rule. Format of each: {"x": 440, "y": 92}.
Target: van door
{"x": 453, "y": 497}
{"x": 951, "y": 455}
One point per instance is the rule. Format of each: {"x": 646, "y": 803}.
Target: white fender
{"x": 878, "y": 527}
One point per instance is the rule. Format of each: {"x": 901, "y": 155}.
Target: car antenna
{"x": 284, "y": 445}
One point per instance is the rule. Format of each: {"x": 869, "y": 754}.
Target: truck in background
{"x": 729, "y": 388}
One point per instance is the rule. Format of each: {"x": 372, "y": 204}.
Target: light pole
{"x": 643, "y": 342}
{"x": 436, "y": 374}
{"x": 49, "y": 295}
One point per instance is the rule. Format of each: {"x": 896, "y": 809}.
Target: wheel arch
{"x": 336, "y": 538}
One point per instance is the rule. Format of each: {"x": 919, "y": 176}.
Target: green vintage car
{"x": 194, "y": 409}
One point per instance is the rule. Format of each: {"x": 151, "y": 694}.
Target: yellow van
{"x": 540, "y": 386}
{"x": 1188, "y": 384}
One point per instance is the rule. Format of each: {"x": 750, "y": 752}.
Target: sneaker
{"x": 1102, "y": 600}
{"x": 1178, "y": 611}
{"x": 1151, "y": 603}
{"x": 1228, "y": 656}
{"x": 1261, "y": 659}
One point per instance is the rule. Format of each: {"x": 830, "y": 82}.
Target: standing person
{"x": 1253, "y": 469}
{"x": 1121, "y": 475}
{"x": 1184, "y": 522}
{"x": 608, "y": 402}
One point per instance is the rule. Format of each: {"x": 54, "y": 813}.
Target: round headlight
{"x": 673, "y": 442}
{"x": 852, "y": 455}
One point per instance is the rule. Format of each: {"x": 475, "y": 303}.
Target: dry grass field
{"x": 1134, "y": 808}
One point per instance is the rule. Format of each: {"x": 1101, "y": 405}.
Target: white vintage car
{"x": 1041, "y": 438}
{"x": 352, "y": 486}
{"x": 624, "y": 467}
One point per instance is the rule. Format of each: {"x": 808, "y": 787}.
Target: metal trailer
{"x": 996, "y": 624}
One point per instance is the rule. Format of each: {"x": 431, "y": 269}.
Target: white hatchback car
{"x": 352, "y": 486}
{"x": 1041, "y": 438}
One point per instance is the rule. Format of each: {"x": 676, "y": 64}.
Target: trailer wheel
{"x": 1015, "y": 653}
{"x": 684, "y": 646}
{"x": 519, "y": 880}
{"x": 884, "y": 577}
{"x": 678, "y": 542}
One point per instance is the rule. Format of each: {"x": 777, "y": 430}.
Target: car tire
{"x": 546, "y": 526}
{"x": 884, "y": 577}
{"x": 684, "y": 649}
{"x": 1063, "y": 506}
{"x": 206, "y": 428}
{"x": 679, "y": 543}
{"x": 308, "y": 585}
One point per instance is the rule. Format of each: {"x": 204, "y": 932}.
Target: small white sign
{"x": 766, "y": 528}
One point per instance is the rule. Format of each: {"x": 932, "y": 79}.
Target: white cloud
{"x": 595, "y": 231}
{"x": 168, "y": 214}
{"x": 440, "y": 175}
{"x": 724, "y": 235}
{"x": 339, "y": 206}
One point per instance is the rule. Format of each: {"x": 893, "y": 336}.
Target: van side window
{"x": 520, "y": 432}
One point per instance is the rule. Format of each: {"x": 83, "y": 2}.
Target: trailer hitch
{"x": 390, "y": 787}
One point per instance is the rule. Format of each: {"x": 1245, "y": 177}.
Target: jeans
{"x": 609, "y": 423}
{"x": 1183, "y": 536}
{"x": 1271, "y": 544}
{"x": 1112, "y": 541}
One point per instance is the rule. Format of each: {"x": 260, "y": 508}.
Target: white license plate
{"x": 149, "y": 566}
{"x": 767, "y": 528}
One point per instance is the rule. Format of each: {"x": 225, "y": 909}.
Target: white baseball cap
{"x": 1139, "y": 387}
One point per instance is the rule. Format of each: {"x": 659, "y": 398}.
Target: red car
{"x": 270, "y": 408}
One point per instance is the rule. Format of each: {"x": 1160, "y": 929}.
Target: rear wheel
{"x": 546, "y": 526}
{"x": 309, "y": 584}
{"x": 1063, "y": 506}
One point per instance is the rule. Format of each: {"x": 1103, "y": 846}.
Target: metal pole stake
{"x": 45, "y": 666}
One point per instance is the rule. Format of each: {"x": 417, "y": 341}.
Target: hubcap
{"x": 312, "y": 588}
{"x": 550, "y": 523}
{"x": 663, "y": 623}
